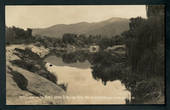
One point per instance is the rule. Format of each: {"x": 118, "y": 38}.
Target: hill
{"x": 110, "y": 27}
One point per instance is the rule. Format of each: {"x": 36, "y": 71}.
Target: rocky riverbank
{"x": 27, "y": 80}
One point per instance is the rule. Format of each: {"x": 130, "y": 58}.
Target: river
{"x": 82, "y": 87}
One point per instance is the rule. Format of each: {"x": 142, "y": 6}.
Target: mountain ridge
{"x": 110, "y": 27}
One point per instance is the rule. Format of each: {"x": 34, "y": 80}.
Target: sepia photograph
{"x": 85, "y": 54}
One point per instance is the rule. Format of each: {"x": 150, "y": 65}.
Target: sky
{"x": 45, "y": 16}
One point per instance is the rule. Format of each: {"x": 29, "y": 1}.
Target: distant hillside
{"x": 110, "y": 27}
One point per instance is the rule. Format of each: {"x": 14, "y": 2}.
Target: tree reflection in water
{"x": 107, "y": 67}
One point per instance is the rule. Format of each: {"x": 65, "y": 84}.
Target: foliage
{"x": 16, "y": 35}
{"x": 145, "y": 51}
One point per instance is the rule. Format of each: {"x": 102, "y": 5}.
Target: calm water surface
{"x": 82, "y": 88}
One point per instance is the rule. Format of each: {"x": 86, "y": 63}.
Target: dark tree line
{"x": 145, "y": 44}
{"x": 86, "y": 40}
{"x": 145, "y": 51}
{"x": 15, "y": 35}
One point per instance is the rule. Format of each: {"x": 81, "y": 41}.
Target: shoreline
{"x": 34, "y": 83}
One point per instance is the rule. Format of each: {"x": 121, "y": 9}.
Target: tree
{"x": 69, "y": 38}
